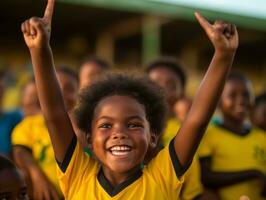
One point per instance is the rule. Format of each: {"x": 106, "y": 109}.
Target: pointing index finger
{"x": 48, "y": 14}
{"x": 203, "y": 22}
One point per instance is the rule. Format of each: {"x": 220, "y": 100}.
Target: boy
{"x": 232, "y": 152}
{"x": 90, "y": 70}
{"x": 12, "y": 185}
{"x": 30, "y": 102}
{"x": 169, "y": 75}
{"x": 117, "y": 116}
{"x": 32, "y": 146}
{"x": 8, "y": 120}
{"x": 258, "y": 116}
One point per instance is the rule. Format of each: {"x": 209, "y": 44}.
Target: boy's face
{"x": 259, "y": 116}
{"x": 181, "y": 108}
{"x": 236, "y": 100}
{"x": 167, "y": 79}
{"x": 69, "y": 89}
{"x": 30, "y": 101}
{"x": 89, "y": 73}
{"x": 120, "y": 133}
{"x": 12, "y": 186}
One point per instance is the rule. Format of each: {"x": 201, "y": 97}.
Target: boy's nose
{"x": 118, "y": 135}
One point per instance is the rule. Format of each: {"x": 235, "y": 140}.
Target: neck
{"x": 116, "y": 178}
{"x": 236, "y": 126}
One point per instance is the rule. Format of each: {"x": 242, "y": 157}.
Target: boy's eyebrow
{"x": 128, "y": 118}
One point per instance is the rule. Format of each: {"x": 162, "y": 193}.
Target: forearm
{"x": 210, "y": 90}
{"x": 51, "y": 100}
{"x": 203, "y": 106}
{"x": 216, "y": 180}
{"x": 49, "y": 92}
{"x": 24, "y": 159}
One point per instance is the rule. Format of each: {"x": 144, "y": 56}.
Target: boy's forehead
{"x": 66, "y": 78}
{"x": 117, "y": 103}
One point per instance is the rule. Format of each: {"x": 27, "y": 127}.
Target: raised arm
{"x": 36, "y": 32}
{"x": 224, "y": 38}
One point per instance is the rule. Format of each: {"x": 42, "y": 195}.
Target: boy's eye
{"x": 105, "y": 125}
{"x": 135, "y": 125}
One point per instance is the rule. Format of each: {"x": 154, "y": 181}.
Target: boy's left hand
{"x": 223, "y": 35}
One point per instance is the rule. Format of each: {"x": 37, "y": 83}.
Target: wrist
{"x": 41, "y": 48}
{"x": 224, "y": 54}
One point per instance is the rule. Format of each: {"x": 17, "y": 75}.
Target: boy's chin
{"x": 123, "y": 168}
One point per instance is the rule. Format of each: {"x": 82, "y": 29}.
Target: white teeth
{"x": 120, "y": 148}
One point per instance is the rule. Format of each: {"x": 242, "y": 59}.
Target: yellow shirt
{"x": 80, "y": 178}
{"x": 192, "y": 186}
{"x": 232, "y": 153}
{"x": 32, "y": 133}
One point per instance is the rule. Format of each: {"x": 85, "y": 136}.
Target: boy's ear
{"x": 89, "y": 140}
{"x": 153, "y": 140}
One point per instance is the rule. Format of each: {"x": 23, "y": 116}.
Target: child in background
{"x": 258, "y": 116}
{"x": 233, "y": 154}
{"x": 122, "y": 117}
{"x": 32, "y": 146}
{"x": 30, "y": 102}
{"x": 12, "y": 184}
{"x": 182, "y": 107}
{"x": 169, "y": 75}
{"x": 90, "y": 70}
{"x": 8, "y": 120}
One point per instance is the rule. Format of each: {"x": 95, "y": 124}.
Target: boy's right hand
{"x": 37, "y": 31}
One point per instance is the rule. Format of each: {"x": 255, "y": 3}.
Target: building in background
{"x": 129, "y": 33}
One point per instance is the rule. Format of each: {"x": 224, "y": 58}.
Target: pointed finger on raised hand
{"x": 23, "y": 28}
{"x": 233, "y": 29}
{"x": 48, "y": 14}
{"x": 27, "y": 27}
{"x": 204, "y": 23}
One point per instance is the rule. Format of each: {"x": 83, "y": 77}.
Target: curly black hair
{"x": 144, "y": 91}
{"x": 170, "y": 63}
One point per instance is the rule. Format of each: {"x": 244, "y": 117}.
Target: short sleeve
{"x": 206, "y": 146}
{"x": 167, "y": 171}
{"x": 76, "y": 169}
{"x": 21, "y": 135}
{"x": 192, "y": 187}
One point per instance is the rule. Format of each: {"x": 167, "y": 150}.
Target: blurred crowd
{"x": 230, "y": 162}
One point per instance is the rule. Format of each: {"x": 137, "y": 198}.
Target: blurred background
{"x": 129, "y": 33}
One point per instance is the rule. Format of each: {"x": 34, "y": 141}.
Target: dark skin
{"x": 30, "y": 101}
{"x": 224, "y": 37}
{"x": 258, "y": 116}
{"x": 171, "y": 84}
{"x": 42, "y": 187}
{"x": 12, "y": 185}
{"x": 235, "y": 104}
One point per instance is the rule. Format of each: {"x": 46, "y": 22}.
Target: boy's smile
{"x": 236, "y": 100}
{"x": 120, "y": 135}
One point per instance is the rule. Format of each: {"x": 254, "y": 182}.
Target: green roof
{"x": 245, "y": 13}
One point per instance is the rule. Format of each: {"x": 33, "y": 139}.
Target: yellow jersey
{"x": 192, "y": 186}
{"x": 32, "y": 133}
{"x": 81, "y": 177}
{"x": 231, "y": 153}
